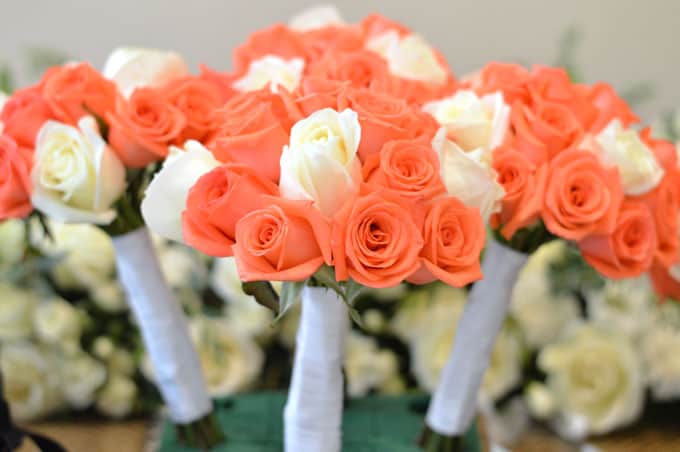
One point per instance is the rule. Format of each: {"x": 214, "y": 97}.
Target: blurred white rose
{"x": 507, "y": 423}
{"x": 57, "y": 322}
{"x": 12, "y": 242}
{"x": 409, "y": 57}
{"x": 109, "y": 296}
{"x": 273, "y": 71}
{"x": 540, "y": 400}
{"x": 16, "y": 312}
{"x": 321, "y": 163}
{"x": 316, "y": 17}
{"x": 230, "y": 361}
{"x": 81, "y": 376}
{"x": 117, "y": 398}
{"x": 181, "y": 266}
{"x": 625, "y": 306}
{"x": 30, "y": 382}
{"x": 474, "y": 123}
{"x": 76, "y": 176}
{"x": 505, "y": 367}
{"x": 131, "y": 68}
{"x": 103, "y": 347}
{"x": 660, "y": 348}
{"x": 121, "y": 362}
{"x": 596, "y": 379}
{"x": 367, "y": 367}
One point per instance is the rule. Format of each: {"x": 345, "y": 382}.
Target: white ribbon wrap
{"x": 313, "y": 413}
{"x": 164, "y": 328}
{"x": 454, "y": 402}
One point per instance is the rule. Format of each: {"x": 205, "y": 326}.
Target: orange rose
{"x": 454, "y": 239}
{"x": 665, "y": 285}
{"x": 223, "y": 81}
{"x": 415, "y": 91}
{"x": 75, "y": 90}
{"x": 331, "y": 39}
{"x": 217, "y": 201}
{"x": 315, "y": 93}
{"x": 582, "y": 197}
{"x": 543, "y": 131}
{"x": 284, "y": 241}
{"x": 361, "y": 68}
{"x": 276, "y": 40}
{"x": 254, "y": 128}
{"x": 510, "y": 79}
{"x": 665, "y": 152}
{"x": 409, "y": 167}
{"x": 524, "y": 183}
{"x": 376, "y": 241}
{"x": 629, "y": 250}
{"x": 375, "y": 24}
{"x": 198, "y": 100}
{"x": 609, "y": 106}
{"x": 24, "y": 114}
{"x": 383, "y": 118}
{"x": 142, "y": 127}
{"x": 15, "y": 179}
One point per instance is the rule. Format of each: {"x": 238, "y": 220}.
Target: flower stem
{"x": 204, "y": 433}
{"x": 431, "y": 441}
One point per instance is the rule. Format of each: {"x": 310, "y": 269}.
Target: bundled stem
{"x": 204, "y": 433}
{"x": 430, "y": 441}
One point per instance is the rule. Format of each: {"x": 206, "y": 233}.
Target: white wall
{"x": 626, "y": 40}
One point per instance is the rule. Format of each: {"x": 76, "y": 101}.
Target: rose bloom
{"x": 524, "y": 184}
{"x": 254, "y": 128}
{"x": 376, "y": 24}
{"x": 273, "y": 72}
{"x": 23, "y": 115}
{"x": 454, "y": 239}
{"x": 223, "y": 81}
{"x": 510, "y": 79}
{"x": 609, "y": 107}
{"x": 276, "y": 40}
{"x": 409, "y": 167}
{"x": 666, "y": 281}
{"x": 629, "y": 250}
{"x": 218, "y": 200}
{"x": 582, "y": 197}
{"x": 142, "y": 127}
{"x": 75, "y": 90}
{"x": 15, "y": 179}
{"x": 316, "y": 17}
{"x": 376, "y": 240}
{"x": 286, "y": 240}
{"x": 197, "y": 99}
{"x": 316, "y": 93}
{"x": 331, "y": 39}
{"x": 362, "y": 68}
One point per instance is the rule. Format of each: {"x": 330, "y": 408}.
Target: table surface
{"x": 133, "y": 436}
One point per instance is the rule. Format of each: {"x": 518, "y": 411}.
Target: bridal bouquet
{"x": 324, "y": 172}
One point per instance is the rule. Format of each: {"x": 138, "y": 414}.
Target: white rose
{"x": 81, "y": 376}
{"x": 272, "y": 70}
{"x": 540, "y": 400}
{"x": 109, "y": 296}
{"x": 131, "y": 68}
{"x": 76, "y": 176}
{"x": 596, "y": 379}
{"x": 625, "y": 306}
{"x": 117, "y": 397}
{"x": 12, "y": 242}
{"x": 16, "y": 312}
{"x": 242, "y": 311}
{"x": 181, "y": 267}
{"x": 505, "y": 367}
{"x": 103, "y": 347}
{"x": 30, "y": 384}
{"x": 121, "y": 362}
{"x": 660, "y": 348}
{"x": 367, "y": 367}
{"x": 467, "y": 176}
{"x": 409, "y": 57}
{"x": 166, "y": 196}
{"x": 622, "y": 148}
{"x": 230, "y": 361}
{"x": 321, "y": 162}
{"x": 472, "y": 122}
{"x": 57, "y": 322}
{"x": 316, "y": 17}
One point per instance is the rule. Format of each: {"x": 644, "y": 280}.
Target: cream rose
{"x": 468, "y": 177}
{"x": 272, "y": 70}
{"x": 57, "y": 322}
{"x": 660, "y": 348}
{"x": 540, "y": 400}
{"x": 626, "y": 306}
{"x": 16, "y": 312}
{"x": 321, "y": 162}
{"x": 12, "y": 242}
{"x": 596, "y": 379}
{"x": 109, "y": 296}
{"x": 367, "y": 367}
{"x": 117, "y": 398}
{"x": 81, "y": 376}
{"x": 131, "y": 68}
{"x": 76, "y": 176}
{"x": 472, "y": 122}
{"x": 181, "y": 266}
{"x": 316, "y": 17}
{"x": 166, "y": 196}
{"x": 622, "y": 148}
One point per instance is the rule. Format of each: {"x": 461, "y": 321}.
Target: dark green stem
{"x": 264, "y": 294}
{"x": 204, "y": 433}
{"x": 431, "y": 441}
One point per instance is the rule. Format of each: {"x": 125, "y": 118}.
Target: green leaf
{"x": 356, "y": 317}
{"x": 638, "y": 94}
{"x": 39, "y": 59}
{"x": 353, "y": 290}
{"x": 326, "y": 276}
{"x": 566, "y": 55}
{"x": 290, "y": 294}
{"x": 6, "y": 81}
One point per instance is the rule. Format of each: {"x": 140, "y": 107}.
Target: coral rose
{"x": 142, "y": 127}
{"x": 198, "y": 100}
{"x": 284, "y": 241}
{"x": 524, "y": 184}
{"x": 15, "y": 179}
{"x": 376, "y": 241}
{"x": 75, "y": 90}
{"x": 582, "y": 197}
{"x": 24, "y": 114}
{"x": 316, "y": 93}
{"x": 454, "y": 239}
{"x": 409, "y": 167}
{"x": 254, "y": 128}
{"x": 276, "y": 40}
{"x": 510, "y": 79}
{"x": 629, "y": 250}
{"x": 218, "y": 200}
{"x": 609, "y": 107}
{"x": 665, "y": 283}
{"x": 361, "y": 69}
{"x": 331, "y": 39}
